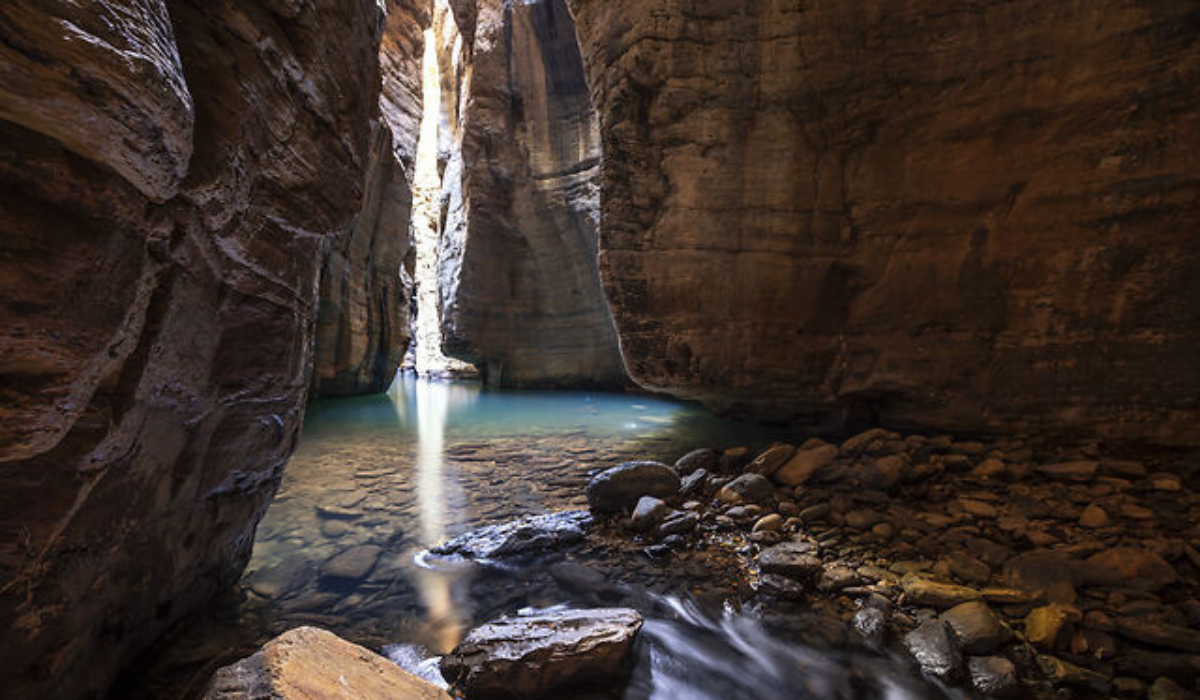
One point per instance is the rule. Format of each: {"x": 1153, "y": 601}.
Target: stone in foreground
{"x": 311, "y": 664}
{"x": 618, "y": 488}
{"x": 522, "y": 536}
{"x": 530, "y": 656}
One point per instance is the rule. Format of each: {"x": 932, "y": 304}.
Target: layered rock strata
{"x": 974, "y": 218}
{"x": 521, "y": 297}
{"x": 171, "y": 172}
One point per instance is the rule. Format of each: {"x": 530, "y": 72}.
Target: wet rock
{"x": 801, "y": 467}
{"x": 525, "y": 535}
{"x": 734, "y": 459}
{"x": 1061, "y": 672}
{"x": 706, "y": 459}
{"x": 883, "y": 473}
{"x": 1081, "y": 471}
{"x": 862, "y": 519}
{"x": 309, "y": 664}
{"x": 978, "y": 629}
{"x": 936, "y": 595}
{"x": 1159, "y": 634}
{"x": 618, "y": 488}
{"x": 782, "y": 587}
{"x": 768, "y": 523}
{"x": 968, "y": 568}
{"x": 693, "y": 484}
{"x": 1093, "y": 517}
{"x": 771, "y": 460}
{"x": 1167, "y": 689}
{"x": 1123, "y": 469}
{"x": 933, "y": 647}
{"x": 648, "y": 513}
{"x": 747, "y": 488}
{"x": 1149, "y": 665}
{"x": 792, "y": 559}
{"x": 869, "y": 440}
{"x": 871, "y": 624}
{"x": 1130, "y": 566}
{"x": 994, "y": 676}
{"x": 543, "y": 652}
{"x": 835, "y": 578}
{"x": 352, "y": 564}
{"x": 677, "y": 523}
{"x": 1048, "y": 627}
{"x": 1043, "y": 573}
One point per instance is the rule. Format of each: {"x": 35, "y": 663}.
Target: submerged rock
{"x": 618, "y": 488}
{"x": 311, "y": 664}
{"x": 532, "y": 655}
{"x": 352, "y": 564}
{"x": 529, "y": 534}
{"x": 994, "y": 675}
{"x": 933, "y": 647}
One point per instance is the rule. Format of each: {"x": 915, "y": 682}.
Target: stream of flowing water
{"x": 377, "y": 480}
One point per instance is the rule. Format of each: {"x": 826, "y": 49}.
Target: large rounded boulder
{"x": 617, "y": 489}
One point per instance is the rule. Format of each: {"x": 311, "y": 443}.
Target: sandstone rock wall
{"x": 965, "y": 217}
{"x": 366, "y": 279}
{"x": 163, "y": 203}
{"x": 521, "y": 292}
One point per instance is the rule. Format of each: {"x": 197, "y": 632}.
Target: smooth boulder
{"x": 618, "y": 488}
{"x": 526, "y": 535}
{"x": 806, "y": 463}
{"x": 544, "y": 653}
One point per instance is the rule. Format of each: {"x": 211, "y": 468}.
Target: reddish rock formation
{"x": 979, "y": 217}
{"x": 156, "y": 309}
{"x": 363, "y": 322}
{"x": 521, "y": 294}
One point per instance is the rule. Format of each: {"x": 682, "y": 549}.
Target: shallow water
{"x": 405, "y": 471}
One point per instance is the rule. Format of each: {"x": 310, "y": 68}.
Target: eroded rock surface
{"x": 170, "y": 174}
{"x": 972, "y": 218}
{"x": 542, "y": 653}
{"x": 522, "y": 293}
{"x": 311, "y": 664}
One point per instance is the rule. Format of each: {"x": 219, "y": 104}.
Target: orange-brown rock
{"x": 170, "y": 172}
{"x": 522, "y": 294}
{"x": 974, "y": 217}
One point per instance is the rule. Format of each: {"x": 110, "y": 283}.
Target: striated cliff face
{"x": 171, "y": 171}
{"x": 521, "y": 292}
{"x": 363, "y": 320}
{"x": 982, "y": 217}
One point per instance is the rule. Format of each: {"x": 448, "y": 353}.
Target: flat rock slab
{"x": 351, "y": 565}
{"x": 526, "y": 535}
{"x": 311, "y": 664}
{"x": 531, "y": 656}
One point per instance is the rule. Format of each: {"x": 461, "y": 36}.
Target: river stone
{"x": 1061, "y": 672}
{"x": 771, "y": 459}
{"x": 1159, "y": 634}
{"x": 352, "y": 564}
{"x": 704, "y": 458}
{"x": 933, "y": 647}
{"x": 1048, "y": 627}
{"x": 1167, "y": 689}
{"x": 1069, "y": 471}
{"x": 1043, "y": 573}
{"x": 618, "y": 488}
{"x": 977, "y": 627}
{"x": 747, "y": 488}
{"x": 768, "y": 523}
{"x": 792, "y": 559}
{"x": 801, "y": 467}
{"x": 677, "y": 523}
{"x": 650, "y": 511}
{"x": 936, "y": 595}
{"x": 1129, "y": 566}
{"x": 870, "y": 624}
{"x": 869, "y": 440}
{"x": 1093, "y": 517}
{"x": 522, "y": 536}
{"x": 693, "y": 484}
{"x": 311, "y": 664}
{"x": 534, "y": 655}
{"x": 994, "y": 676}
{"x": 733, "y": 459}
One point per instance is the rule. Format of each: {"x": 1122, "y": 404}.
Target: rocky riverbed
{"x": 997, "y": 569}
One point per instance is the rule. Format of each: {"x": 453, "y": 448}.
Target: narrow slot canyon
{"x": 629, "y": 349}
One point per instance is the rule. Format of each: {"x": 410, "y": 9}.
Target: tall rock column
{"x": 521, "y": 293}
{"x": 170, "y": 172}
{"x": 366, "y": 283}
{"x": 967, "y": 217}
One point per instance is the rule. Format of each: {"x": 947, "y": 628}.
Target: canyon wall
{"x": 366, "y": 277}
{"x": 978, "y": 217}
{"x": 171, "y": 172}
{"x": 521, "y": 295}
